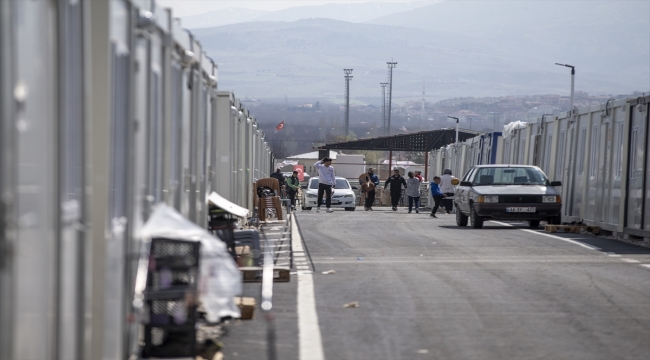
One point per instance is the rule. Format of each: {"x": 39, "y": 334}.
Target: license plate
{"x": 521, "y": 209}
{"x": 333, "y": 201}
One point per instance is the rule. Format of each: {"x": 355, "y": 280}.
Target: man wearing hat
{"x": 369, "y": 182}
{"x": 326, "y": 182}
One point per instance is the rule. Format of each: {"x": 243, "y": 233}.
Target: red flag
{"x": 301, "y": 171}
{"x": 280, "y": 126}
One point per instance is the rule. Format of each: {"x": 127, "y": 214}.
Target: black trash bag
{"x": 265, "y": 191}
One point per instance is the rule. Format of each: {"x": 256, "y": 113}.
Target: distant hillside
{"x": 610, "y": 37}
{"x": 355, "y": 12}
{"x": 222, "y": 17}
{"x": 306, "y": 58}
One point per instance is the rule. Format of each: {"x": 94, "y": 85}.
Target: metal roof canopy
{"x": 423, "y": 141}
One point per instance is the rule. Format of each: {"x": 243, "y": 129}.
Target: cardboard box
{"x": 246, "y": 306}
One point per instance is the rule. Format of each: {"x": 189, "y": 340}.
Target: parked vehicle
{"x": 343, "y": 196}
{"x": 507, "y": 192}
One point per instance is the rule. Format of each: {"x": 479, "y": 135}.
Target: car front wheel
{"x": 350, "y": 208}
{"x": 534, "y": 224}
{"x": 477, "y": 221}
{"x": 461, "y": 219}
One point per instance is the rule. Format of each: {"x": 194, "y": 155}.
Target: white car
{"x": 343, "y": 196}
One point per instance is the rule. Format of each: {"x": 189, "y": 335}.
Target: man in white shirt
{"x": 448, "y": 189}
{"x": 326, "y": 182}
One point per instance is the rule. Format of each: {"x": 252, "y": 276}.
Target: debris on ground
{"x": 328, "y": 272}
{"x": 354, "y": 304}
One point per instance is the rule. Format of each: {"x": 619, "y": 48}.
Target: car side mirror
{"x": 556, "y": 183}
{"x": 355, "y": 187}
{"x": 466, "y": 183}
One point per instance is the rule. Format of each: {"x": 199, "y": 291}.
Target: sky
{"x": 183, "y": 8}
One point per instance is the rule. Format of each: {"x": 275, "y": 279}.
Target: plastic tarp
{"x": 221, "y": 202}
{"x": 509, "y": 128}
{"x": 219, "y": 279}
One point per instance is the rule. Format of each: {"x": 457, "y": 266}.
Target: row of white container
{"x": 602, "y": 159}
{"x": 106, "y": 109}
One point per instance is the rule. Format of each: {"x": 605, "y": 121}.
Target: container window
{"x": 581, "y": 145}
{"x": 593, "y": 161}
{"x": 559, "y": 170}
{"x": 633, "y": 149}
{"x": 618, "y": 162}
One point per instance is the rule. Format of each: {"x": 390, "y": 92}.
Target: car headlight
{"x": 349, "y": 196}
{"x": 488, "y": 199}
{"x": 311, "y": 195}
{"x": 551, "y": 199}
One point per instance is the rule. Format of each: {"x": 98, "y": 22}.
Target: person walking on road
{"x": 413, "y": 192}
{"x": 282, "y": 182}
{"x": 369, "y": 182}
{"x": 396, "y": 181}
{"x": 447, "y": 188}
{"x": 326, "y": 182}
{"x": 437, "y": 195}
{"x": 293, "y": 184}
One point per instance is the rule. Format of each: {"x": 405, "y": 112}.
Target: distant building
{"x": 308, "y": 159}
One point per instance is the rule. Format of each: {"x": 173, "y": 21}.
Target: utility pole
{"x": 383, "y": 108}
{"x": 423, "y": 100}
{"x": 348, "y": 77}
{"x": 391, "y": 65}
{"x": 572, "y": 154}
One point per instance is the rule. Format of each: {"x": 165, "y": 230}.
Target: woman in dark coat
{"x": 396, "y": 181}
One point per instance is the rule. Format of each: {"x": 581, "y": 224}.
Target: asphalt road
{"x": 428, "y": 289}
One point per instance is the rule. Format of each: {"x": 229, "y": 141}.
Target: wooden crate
{"x": 246, "y": 306}
{"x": 254, "y": 274}
{"x": 576, "y": 229}
{"x": 562, "y": 228}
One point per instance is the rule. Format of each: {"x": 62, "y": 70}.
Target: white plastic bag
{"x": 509, "y": 128}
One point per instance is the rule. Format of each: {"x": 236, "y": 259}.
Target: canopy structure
{"x": 423, "y": 141}
{"x": 420, "y": 142}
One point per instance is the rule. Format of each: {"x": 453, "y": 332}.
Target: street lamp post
{"x": 573, "y": 75}
{"x": 470, "y": 123}
{"x": 451, "y": 117}
{"x": 572, "y": 155}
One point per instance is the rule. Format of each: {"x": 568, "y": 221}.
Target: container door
{"x": 636, "y": 171}
{"x": 593, "y": 175}
{"x": 613, "y": 211}
{"x": 646, "y": 190}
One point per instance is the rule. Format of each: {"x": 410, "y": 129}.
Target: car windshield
{"x": 340, "y": 184}
{"x": 509, "y": 176}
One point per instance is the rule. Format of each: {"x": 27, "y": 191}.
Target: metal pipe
{"x": 348, "y": 77}
{"x": 391, "y": 65}
{"x": 451, "y": 117}
{"x": 267, "y": 299}
{"x": 426, "y": 166}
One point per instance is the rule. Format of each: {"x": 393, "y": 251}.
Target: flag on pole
{"x": 280, "y": 126}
